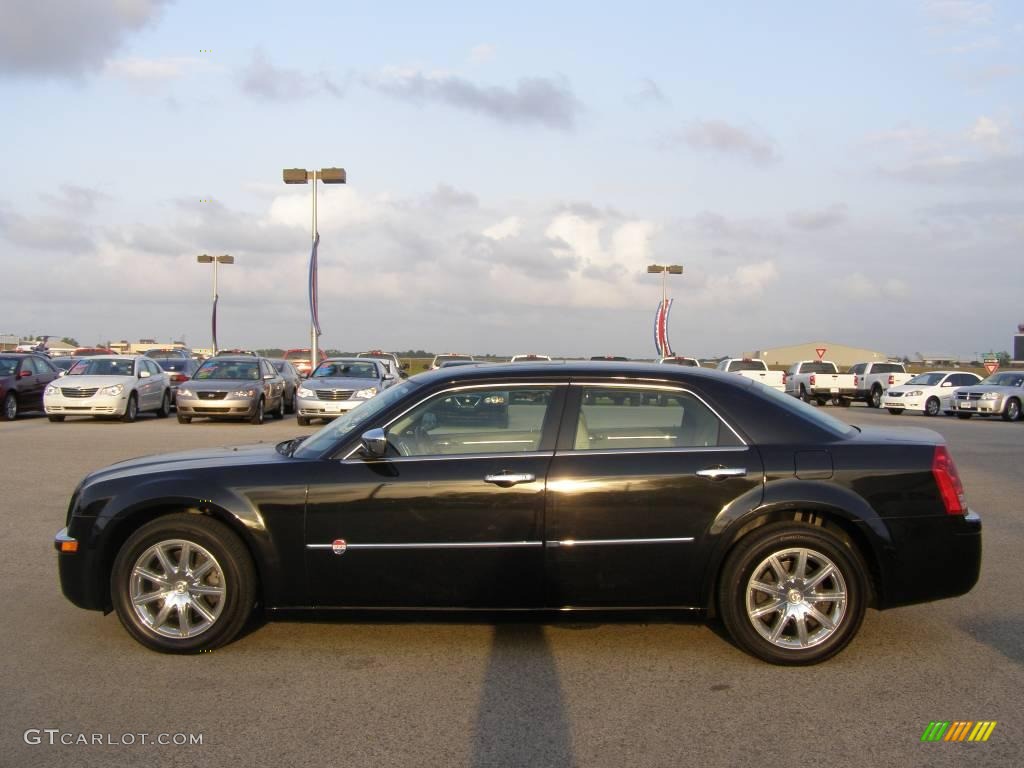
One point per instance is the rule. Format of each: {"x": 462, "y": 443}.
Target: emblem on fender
{"x": 339, "y": 546}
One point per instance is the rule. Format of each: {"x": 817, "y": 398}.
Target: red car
{"x": 23, "y": 377}
{"x": 301, "y": 360}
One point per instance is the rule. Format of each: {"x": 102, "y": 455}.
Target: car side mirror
{"x": 268, "y": 376}
{"x": 62, "y": 373}
{"x": 389, "y": 377}
{"x": 374, "y": 443}
{"x": 144, "y": 374}
{"x": 947, "y": 383}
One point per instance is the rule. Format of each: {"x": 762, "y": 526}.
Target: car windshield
{"x": 237, "y": 370}
{"x": 97, "y": 366}
{"x": 345, "y": 369}
{"x": 1005, "y": 379}
{"x": 8, "y": 365}
{"x": 807, "y": 412}
{"x": 349, "y": 422}
{"x": 927, "y": 379}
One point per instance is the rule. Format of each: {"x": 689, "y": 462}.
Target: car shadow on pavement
{"x": 522, "y": 720}
{"x": 1005, "y": 635}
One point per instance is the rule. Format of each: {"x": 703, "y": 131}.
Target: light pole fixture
{"x": 216, "y": 261}
{"x": 302, "y": 176}
{"x": 661, "y": 342}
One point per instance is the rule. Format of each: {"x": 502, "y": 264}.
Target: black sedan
{"x": 709, "y": 493}
{"x": 23, "y": 378}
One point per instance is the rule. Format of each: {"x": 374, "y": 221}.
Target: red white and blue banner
{"x": 314, "y": 307}
{"x": 213, "y": 321}
{"x": 661, "y": 328}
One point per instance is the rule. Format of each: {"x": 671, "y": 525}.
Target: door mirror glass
{"x": 268, "y": 375}
{"x": 144, "y": 374}
{"x": 374, "y": 443}
{"x": 947, "y": 383}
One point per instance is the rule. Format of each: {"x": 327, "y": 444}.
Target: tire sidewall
{"x": 932, "y": 407}
{"x": 10, "y": 406}
{"x": 227, "y": 549}
{"x": 757, "y": 546}
{"x": 1013, "y": 409}
{"x": 131, "y": 409}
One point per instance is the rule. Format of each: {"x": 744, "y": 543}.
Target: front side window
{"x": 629, "y": 418}
{"x": 473, "y": 421}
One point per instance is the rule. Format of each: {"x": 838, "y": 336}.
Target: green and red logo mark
{"x": 958, "y": 730}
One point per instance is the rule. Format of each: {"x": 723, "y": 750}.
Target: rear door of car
{"x": 639, "y": 475}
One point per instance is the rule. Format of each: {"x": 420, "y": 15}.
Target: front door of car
{"x": 638, "y": 478}
{"x": 451, "y": 516}
{"x": 32, "y": 386}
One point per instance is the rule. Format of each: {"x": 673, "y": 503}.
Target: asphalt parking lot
{"x": 571, "y": 691}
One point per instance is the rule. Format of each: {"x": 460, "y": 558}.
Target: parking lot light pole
{"x": 665, "y": 271}
{"x": 301, "y": 176}
{"x": 216, "y": 261}
{"x": 661, "y": 342}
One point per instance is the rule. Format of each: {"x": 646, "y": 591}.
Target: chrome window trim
{"x": 510, "y": 385}
{"x": 448, "y": 457}
{"x": 623, "y": 451}
{"x": 433, "y": 545}
{"x": 667, "y": 388}
{"x": 606, "y": 542}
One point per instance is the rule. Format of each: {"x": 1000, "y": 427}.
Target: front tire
{"x": 792, "y": 595}
{"x": 55, "y": 417}
{"x": 1012, "y": 410}
{"x": 184, "y": 419}
{"x": 964, "y": 415}
{"x": 279, "y": 413}
{"x": 932, "y": 406}
{"x": 131, "y": 410}
{"x": 10, "y": 409}
{"x": 165, "y": 406}
{"x": 302, "y": 420}
{"x": 257, "y": 415}
{"x": 183, "y": 583}
{"x": 895, "y": 411}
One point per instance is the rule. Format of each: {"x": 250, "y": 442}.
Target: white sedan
{"x": 932, "y": 392}
{"x": 109, "y": 385}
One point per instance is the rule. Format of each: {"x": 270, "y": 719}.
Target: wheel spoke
{"x": 821, "y": 618}
{"x": 184, "y": 622}
{"x": 820, "y": 576}
{"x": 779, "y": 625}
{"x": 148, "y": 575}
{"x": 800, "y": 569}
{"x": 207, "y": 589}
{"x": 780, "y": 570}
{"x": 202, "y": 570}
{"x": 826, "y": 597}
{"x": 161, "y": 617}
{"x": 165, "y": 562}
{"x": 203, "y": 611}
{"x": 183, "y": 558}
{"x": 764, "y": 610}
{"x": 149, "y": 597}
{"x": 801, "y": 630}
{"x": 772, "y": 589}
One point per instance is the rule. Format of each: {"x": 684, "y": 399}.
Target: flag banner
{"x": 661, "y": 342}
{"x": 213, "y": 322}
{"x": 314, "y": 308}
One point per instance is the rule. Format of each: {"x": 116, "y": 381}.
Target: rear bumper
{"x": 932, "y": 558}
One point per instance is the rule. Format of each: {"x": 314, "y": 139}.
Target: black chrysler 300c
{"x": 612, "y": 486}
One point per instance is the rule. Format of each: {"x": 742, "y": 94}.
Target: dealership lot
{"x": 581, "y": 690}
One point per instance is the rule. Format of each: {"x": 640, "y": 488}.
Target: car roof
{"x": 236, "y": 358}
{"x": 558, "y": 369}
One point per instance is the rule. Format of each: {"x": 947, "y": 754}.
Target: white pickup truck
{"x": 753, "y": 369}
{"x": 870, "y": 380}
{"x": 819, "y": 381}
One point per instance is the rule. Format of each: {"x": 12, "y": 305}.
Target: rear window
{"x": 173, "y": 363}
{"x": 747, "y": 365}
{"x": 887, "y": 368}
{"x": 818, "y": 368}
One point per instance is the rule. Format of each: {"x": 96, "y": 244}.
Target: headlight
{"x": 242, "y": 393}
{"x": 495, "y": 400}
{"x": 185, "y": 392}
{"x": 303, "y": 392}
{"x": 52, "y": 389}
{"x": 915, "y": 393}
{"x": 113, "y": 390}
{"x": 990, "y": 396}
{"x": 365, "y": 394}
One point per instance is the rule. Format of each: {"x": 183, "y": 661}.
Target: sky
{"x": 849, "y": 172}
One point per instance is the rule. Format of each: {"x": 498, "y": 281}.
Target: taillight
{"x": 813, "y": 379}
{"x": 892, "y": 379}
{"x": 179, "y": 377}
{"x": 856, "y": 380}
{"x": 948, "y": 479}
{"x": 785, "y": 378}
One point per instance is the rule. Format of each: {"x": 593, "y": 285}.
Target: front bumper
{"x": 905, "y": 403}
{"x": 314, "y": 408}
{"x": 983, "y": 407}
{"x": 97, "y": 405}
{"x": 77, "y": 570}
{"x": 216, "y": 409}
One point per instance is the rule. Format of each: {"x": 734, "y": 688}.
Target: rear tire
{"x": 183, "y": 613}
{"x": 875, "y": 400}
{"x": 803, "y": 394}
{"x": 791, "y": 594}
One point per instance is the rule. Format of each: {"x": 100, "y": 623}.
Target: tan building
{"x": 840, "y": 354}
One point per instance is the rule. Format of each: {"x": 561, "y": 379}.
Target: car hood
{"x": 904, "y": 388}
{"x": 341, "y": 383}
{"x": 221, "y": 385}
{"x": 1002, "y": 390}
{"x": 208, "y": 458}
{"x": 89, "y": 382}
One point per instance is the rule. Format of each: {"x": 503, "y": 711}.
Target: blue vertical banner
{"x": 314, "y": 308}
{"x": 661, "y": 342}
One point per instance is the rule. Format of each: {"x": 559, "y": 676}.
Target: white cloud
{"x": 859, "y": 287}
{"x": 510, "y": 226}
{"x": 168, "y": 68}
{"x": 988, "y": 133}
{"x": 482, "y": 53}
{"x": 724, "y": 138}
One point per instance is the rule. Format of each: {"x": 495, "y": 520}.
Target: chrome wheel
{"x": 177, "y": 588}
{"x": 796, "y": 598}
{"x": 10, "y": 407}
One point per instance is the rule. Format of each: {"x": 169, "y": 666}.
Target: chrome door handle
{"x": 508, "y": 479}
{"x": 720, "y": 473}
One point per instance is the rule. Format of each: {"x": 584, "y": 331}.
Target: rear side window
{"x": 614, "y": 418}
